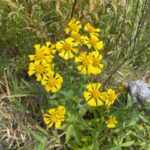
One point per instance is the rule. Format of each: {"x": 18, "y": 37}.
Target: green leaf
{"x": 42, "y": 130}
{"x": 134, "y": 118}
{"x": 41, "y": 138}
{"x": 67, "y": 94}
{"x": 129, "y": 101}
{"x": 127, "y": 144}
{"x": 41, "y": 146}
{"x": 70, "y": 132}
{"x": 144, "y": 118}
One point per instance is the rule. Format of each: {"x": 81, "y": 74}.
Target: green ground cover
{"x": 125, "y": 31}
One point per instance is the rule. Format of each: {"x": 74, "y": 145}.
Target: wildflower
{"x": 111, "y": 97}
{"x": 52, "y": 81}
{"x": 49, "y": 47}
{"x": 76, "y": 36}
{"x": 85, "y": 63}
{"x": 93, "y": 96}
{"x": 88, "y": 27}
{"x": 39, "y": 69}
{"x": 73, "y": 25}
{"x": 67, "y": 48}
{"x": 55, "y": 116}
{"x": 111, "y": 122}
{"x": 41, "y": 54}
{"x": 96, "y": 62}
{"x": 94, "y": 42}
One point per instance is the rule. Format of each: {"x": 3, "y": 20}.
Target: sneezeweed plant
{"x": 111, "y": 122}
{"x": 55, "y": 116}
{"x": 82, "y": 47}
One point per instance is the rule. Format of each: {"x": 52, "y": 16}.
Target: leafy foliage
{"x": 125, "y": 32}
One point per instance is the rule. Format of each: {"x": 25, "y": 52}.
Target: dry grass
{"x": 12, "y": 121}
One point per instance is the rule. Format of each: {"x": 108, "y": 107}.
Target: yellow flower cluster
{"x": 41, "y": 64}
{"x": 84, "y": 49}
{"x": 55, "y": 116}
{"x": 94, "y": 97}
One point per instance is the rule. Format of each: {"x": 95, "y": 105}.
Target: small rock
{"x": 140, "y": 91}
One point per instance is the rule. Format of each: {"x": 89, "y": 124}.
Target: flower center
{"x": 76, "y": 36}
{"x": 39, "y": 55}
{"x": 95, "y": 62}
{"x": 96, "y": 94}
{"x": 72, "y": 26}
{"x": 93, "y": 42}
{"x": 54, "y": 118}
{"x": 39, "y": 69}
{"x": 85, "y": 62}
{"x": 52, "y": 81}
{"x": 112, "y": 96}
{"x": 67, "y": 46}
{"x": 90, "y": 28}
{"x": 112, "y": 121}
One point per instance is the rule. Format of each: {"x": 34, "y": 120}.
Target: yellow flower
{"x": 96, "y": 62}
{"x": 41, "y": 54}
{"x": 55, "y": 116}
{"x": 94, "y": 42}
{"x": 76, "y": 36}
{"x": 111, "y": 122}
{"x": 50, "y": 48}
{"x": 39, "y": 69}
{"x": 111, "y": 97}
{"x": 93, "y": 96}
{"x": 73, "y": 25}
{"x": 52, "y": 81}
{"x": 88, "y": 27}
{"x": 85, "y": 62}
{"x": 67, "y": 48}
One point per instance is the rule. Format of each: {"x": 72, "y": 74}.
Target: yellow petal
{"x": 43, "y": 82}
{"x": 39, "y": 77}
{"x": 59, "y": 45}
{"x": 48, "y": 44}
{"x": 67, "y": 30}
{"x": 58, "y": 124}
{"x": 87, "y": 95}
{"x": 50, "y": 125}
{"x": 30, "y": 73}
{"x": 47, "y": 87}
{"x": 92, "y": 102}
{"x": 32, "y": 57}
{"x": 77, "y": 59}
{"x": 75, "y": 50}
{"x": 51, "y": 110}
{"x": 99, "y": 103}
{"x": 37, "y": 46}
{"x": 99, "y": 45}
